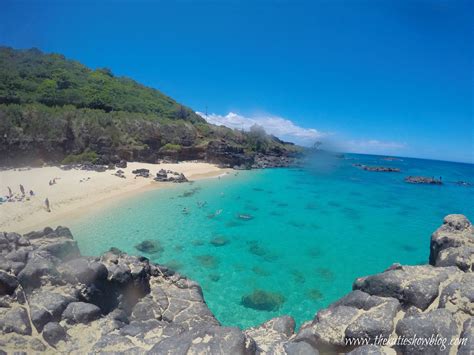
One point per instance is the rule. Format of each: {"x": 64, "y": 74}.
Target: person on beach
{"x": 22, "y": 190}
{"x": 10, "y": 193}
{"x": 32, "y": 193}
{"x": 46, "y": 202}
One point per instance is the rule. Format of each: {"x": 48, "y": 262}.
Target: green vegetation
{"x": 87, "y": 156}
{"x": 58, "y": 110}
{"x": 171, "y": 147}
{"x": 31, "y": 76}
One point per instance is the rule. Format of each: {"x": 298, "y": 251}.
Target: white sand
{"x": 69, "y": 197}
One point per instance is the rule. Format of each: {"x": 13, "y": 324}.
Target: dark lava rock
{"x": 8, "y": 283}
{"x": 40, "y": 266}
{"x": 367, "y": 350}
{"x": 161, "y": 175}
{"x": 211, "y": 340}
{"x": 121, "y": 165}
{"x": 299, "y": 348}
{"x": 263, "y": 300}
{"x": 54, "y": 333}
{"x": 81, "y": 312}
{"x": 377, "y": 321}
{"x": 438, "y": 323}
{"x": 467, "y": 336}
{"x": 16, "y": 320}
{"x": 452, "y": 244}
{"x": 383, "y": 169}
{"x": 109, "y": 343}
{"x": 64, "y": 249}
{"x": 142, "y": 172}
{"x": 411, "y": 285}
{"x": 83, "y": 270}
{"x": 423, "y": 180}
{"x": 47, "y": 306}
{"x": 459, "y": 294}
{"x": 170, "y": 176}
{"x": 63, "y": 232}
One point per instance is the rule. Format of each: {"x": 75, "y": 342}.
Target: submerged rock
{"x": 220, "y": 241}
{"x": 197, "y": 242}
{"x": 214, "y": 277}
{"x": 256, "y": 249}
{"x": 315, "y": 294}
{"x": 260, "y": 271}
{"x": 174, "y": 265}
{"x": 263, "y": 300}
{"x": 208, "y": 261}
{"x": 149, "y": 246}
{"x": 325, "y": 273}
{"x": 298, "y": 276}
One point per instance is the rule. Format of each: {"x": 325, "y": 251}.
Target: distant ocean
{"x": 306, "y": 233}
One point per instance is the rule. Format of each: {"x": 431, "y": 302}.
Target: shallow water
{"x": 304, "y": 234}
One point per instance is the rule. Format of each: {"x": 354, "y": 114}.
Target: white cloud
{"x": 287, "y": 130}
{"x": 278, "y": 126}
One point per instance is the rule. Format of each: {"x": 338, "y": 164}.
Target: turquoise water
{"x": 313, "y": 231}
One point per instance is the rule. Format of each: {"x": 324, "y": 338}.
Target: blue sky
{"x": 386, "y": 77}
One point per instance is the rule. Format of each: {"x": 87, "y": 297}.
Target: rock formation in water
{"x": 383, "y": 169}
{"x": 53, "y": 299}
{"x": 423, "y": 180}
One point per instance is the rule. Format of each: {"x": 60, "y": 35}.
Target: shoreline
{"x": 79, "y": 192}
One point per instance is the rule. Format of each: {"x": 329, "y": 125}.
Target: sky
{"x": 379, "y": 77}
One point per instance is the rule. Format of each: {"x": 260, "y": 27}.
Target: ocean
{"x": 294, "y": 238}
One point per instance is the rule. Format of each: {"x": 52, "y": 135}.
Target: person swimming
{"x": 201, "y": 204}
{"x": 215, "y": 214}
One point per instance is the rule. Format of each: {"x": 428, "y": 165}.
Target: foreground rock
{"x": 54, "y": 300}
{"x": 453, "y": 244}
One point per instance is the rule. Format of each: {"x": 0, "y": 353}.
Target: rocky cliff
{"x": 52, "y": 299}
{"x": 53, "y": 109}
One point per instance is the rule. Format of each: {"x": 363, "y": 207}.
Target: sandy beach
{"x": 79, "y": 191}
